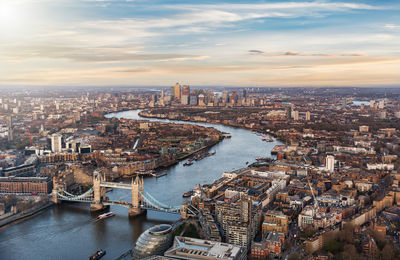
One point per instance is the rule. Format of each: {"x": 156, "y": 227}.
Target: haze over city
{"x": 205, "y": 43}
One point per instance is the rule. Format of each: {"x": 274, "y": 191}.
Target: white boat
{"x": 106, "y": 215}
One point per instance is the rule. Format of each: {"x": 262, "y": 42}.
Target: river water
{"x": 70, "y": 231}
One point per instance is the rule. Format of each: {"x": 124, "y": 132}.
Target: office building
{"x": 154, "y": 241}
{"x": 185, "y": 98}
{"x": 192, "y": 248}
{"x": 295, "y": 115}
{"x": 275, "y": 221}
{"x": 56, "y": 144}
{"x": 330, "y": 163}
{"x": 201, "y": 100}
{"x": 308, "y": 116}
{"x": 177, "y": 92}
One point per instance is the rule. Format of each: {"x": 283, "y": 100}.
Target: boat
{"x": 212, "y": 153}
{"x": 106, "y": 215}
{"x": 99, "y": 254}
{"x": 187, "y": 194}
{"x": 226, "y": 135}
{"x": 188, "y": 163}
{"x": 146, "y": 173}
{"x": 161, "y": 174}
{"x": 267, "y": 138}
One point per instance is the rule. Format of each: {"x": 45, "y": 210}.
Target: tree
{"x": 294, "y": 256}
{"x": 346, "y": 234}
{"x": 387, "y": 252}
{"x": 333, "y": 246}
{"x": 349, "y": 252}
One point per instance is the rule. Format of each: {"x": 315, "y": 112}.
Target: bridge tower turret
{"x": 98, "y": 192}
{"x": 137, "y": 199}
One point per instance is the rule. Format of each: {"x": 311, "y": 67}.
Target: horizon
{"x": 244, "y": 44}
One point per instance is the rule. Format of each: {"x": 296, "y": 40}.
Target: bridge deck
{"x": 116, "y": 185}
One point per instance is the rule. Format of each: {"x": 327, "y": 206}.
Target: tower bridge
{"x": 140, "y": 203}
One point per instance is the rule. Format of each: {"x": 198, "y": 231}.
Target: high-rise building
{"x": 56, "y": 144}
{"x": 185, "y": 95}
{"x": 381, "y": 104}
{"x": 372, "y": 103}
{"x": 330, "y": 163}
{"x": 177, "y": 92}
{"x": 201, "y": 100}
{"x": 295, "y": 115}
{"x": 289, "y": 112}
{"x": 172, "y": 93}
{"x": 225, "y": 96}
{"x": 10, "y": 129}
{"x": 233, "y": 98}
{"x": 193, "y": 100}
{"x": 308, "y": 116}
{"x": 216, "y": 99}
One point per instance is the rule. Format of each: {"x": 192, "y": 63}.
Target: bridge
{"x": 141, "y": 200}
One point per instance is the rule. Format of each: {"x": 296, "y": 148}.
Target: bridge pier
{"x": 98, "y": 207}
{"x": 134, "y": 212}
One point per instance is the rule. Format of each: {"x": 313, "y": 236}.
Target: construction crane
{"x": 315, "y": 199}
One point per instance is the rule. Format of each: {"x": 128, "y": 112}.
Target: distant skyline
{"x": 204, "y": 43}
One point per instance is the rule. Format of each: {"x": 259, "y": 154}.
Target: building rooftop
{"x": 191, "y": 248}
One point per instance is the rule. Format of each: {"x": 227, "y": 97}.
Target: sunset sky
{"x": 203, "y": 43}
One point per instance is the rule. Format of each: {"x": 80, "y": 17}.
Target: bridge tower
{"x": 184, "y": 211}
{"x": 137, "y": 199}
{"x": 98, "y": 192}
{"x": 56, "y": 188}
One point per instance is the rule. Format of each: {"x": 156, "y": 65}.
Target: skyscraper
{"x": 289, "y": 112}
{"x": 177, "y": 92}
{"x": 330, "y": 163}
{"x": 56, "y": 145}
{"x": 225, "y": 96}
{"x": 185, "y": 95}
{"x": 201, "y": 100}
{"x": 172, "y": 93}
{"x": 295, "y": 115}
{"x": 308, "y": 116}
{"x": 10, "y": 129}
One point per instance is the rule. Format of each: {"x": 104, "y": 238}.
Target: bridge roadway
{"x": 116, "y": 185}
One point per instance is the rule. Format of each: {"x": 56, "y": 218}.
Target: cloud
{"x": 104, "y": 54}
{"x": 256, "y": 52}
{"x": 391, "y": 26}
{"x": 291, "y": 53}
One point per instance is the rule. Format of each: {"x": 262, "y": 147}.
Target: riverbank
{"x": 145, "y": 114}
{"x": 16, "y": 218}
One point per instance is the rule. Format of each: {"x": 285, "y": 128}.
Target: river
{"x": 69, "y": 231}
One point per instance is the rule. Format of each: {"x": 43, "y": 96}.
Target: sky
{"x": 200, "y": 43}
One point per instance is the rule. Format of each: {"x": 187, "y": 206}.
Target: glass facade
{"x": 154, "y": 241}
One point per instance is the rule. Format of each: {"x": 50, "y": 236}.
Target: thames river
{"x": 69, "y": 231}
